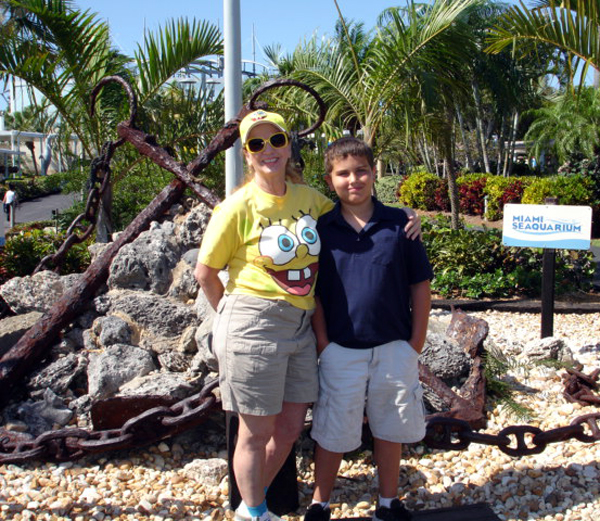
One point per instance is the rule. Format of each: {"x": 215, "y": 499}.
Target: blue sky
{"x": 275, "y": 21}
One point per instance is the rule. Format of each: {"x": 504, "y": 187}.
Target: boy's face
{"x": 352, "y": 179}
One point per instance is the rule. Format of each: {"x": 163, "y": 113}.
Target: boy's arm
{"x": 319, "y": 326}
{"x": 211, "y": 284}
{"x": 421, "y": 306}
{"x": 413, "y": 226}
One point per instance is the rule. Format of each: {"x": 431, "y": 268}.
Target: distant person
{"x": 9, "y": 202}
{"x": 373, "y": 304}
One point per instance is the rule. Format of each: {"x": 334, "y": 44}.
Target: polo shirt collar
{"x": 380, "y": 213}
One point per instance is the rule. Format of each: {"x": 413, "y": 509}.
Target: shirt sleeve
{"x": 221, "y": 239}
{"x": 419, "y": 268}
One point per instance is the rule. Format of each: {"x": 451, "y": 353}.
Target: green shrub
{"x": 573, "y": 190}
{"x": 418, "y": 191}
{"x": 502, "y": 190}
{"x": 387, "y": 188}
{"x": 475, "y": 264}
{"x": 23, "y": 251}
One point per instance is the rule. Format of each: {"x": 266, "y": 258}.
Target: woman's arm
{"x": 211, "y": 284}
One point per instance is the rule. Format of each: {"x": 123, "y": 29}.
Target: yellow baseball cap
{"x": 258, "y": 117}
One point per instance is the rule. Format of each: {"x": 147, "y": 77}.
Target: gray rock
{"x": 112, "y": 330}
{"x": 40, "y": 416}
{"x": 58, "y": 376}
{"x": 37, "y": 292}
{"x": 174, "y": 361}
{"x": 117, "y": 365}
{"x": 190, "y": 232}
{"x": 549, "y": 348}
{"x": 13, "y": 328}
{"x": 208, "y": 471}
{"x": 446, "y": 359}
{"x": 191, "y": 257}
{"x": 184, "y": 286}
{"x": 172, "y": 385}
{"x": 146, "y": 263}
{"x": 158, "y": 319}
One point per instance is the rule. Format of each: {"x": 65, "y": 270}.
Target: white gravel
{"x": 561, "y": 484}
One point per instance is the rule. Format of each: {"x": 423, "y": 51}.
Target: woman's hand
{"x": 211, "y": 284}
{"x": 413, "y": 226}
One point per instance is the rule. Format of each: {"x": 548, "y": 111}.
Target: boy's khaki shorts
{"x": 384, "y": 379}
{"x": 266, "y": 353}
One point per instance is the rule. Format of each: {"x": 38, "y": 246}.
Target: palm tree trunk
{"x": 510, "y": 148}
{"x": 425, "y": 153}
{"x": 479, "y": 121}
{"x": 500, "y": 163}
{"x": 465, "y": 140}
{"x": 380, "y": 169}
{"x": 446, "y": 151}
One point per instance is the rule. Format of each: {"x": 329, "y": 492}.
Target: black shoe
{"x": 317, "y": 512}
{"x": 396, "y": 512}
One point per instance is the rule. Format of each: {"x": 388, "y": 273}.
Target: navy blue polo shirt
{"x": 364, "y": 277}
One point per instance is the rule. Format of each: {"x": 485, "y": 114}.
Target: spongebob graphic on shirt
{"x": 269, "y": 243}
{"x": 291, "y": 256}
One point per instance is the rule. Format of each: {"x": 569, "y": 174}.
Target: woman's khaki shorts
{"x": 266, "y": 353}
{"x": 383, "y": 380}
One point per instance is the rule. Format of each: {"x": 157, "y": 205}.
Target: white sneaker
{"x": 242, "y": 514}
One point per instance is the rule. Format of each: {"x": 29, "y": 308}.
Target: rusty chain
{"x": 150, "y": 426}
{"x": 78, "y": 231}
{"x": 455, "y": 434}
{"x": 161, "y": 422}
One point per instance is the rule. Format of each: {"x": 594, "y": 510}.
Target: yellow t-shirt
{"x": 270, "y": 243}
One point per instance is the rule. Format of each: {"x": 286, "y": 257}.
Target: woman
{"x": 266, "y": 234}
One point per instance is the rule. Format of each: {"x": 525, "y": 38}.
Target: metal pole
{"x": 232, "y": 78}
{"x": 548, "y": 268}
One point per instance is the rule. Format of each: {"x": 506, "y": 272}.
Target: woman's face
{"x": 269, "y": 162}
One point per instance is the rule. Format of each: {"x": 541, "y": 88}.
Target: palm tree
{"x": 64, "y": 52}
{"x": 572, "y": 26}
{"x": 567, "y": 125}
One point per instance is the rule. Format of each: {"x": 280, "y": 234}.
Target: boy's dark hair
{"x": 347, "y": 146}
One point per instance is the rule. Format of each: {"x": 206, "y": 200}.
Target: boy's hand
{"x": 413, "y": 226}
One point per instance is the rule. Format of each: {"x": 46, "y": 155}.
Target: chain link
{"x": 151, "y": 425}
{"x": 78, "y": 232}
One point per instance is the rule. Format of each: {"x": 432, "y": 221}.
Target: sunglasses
{"x": 257, "y": 144}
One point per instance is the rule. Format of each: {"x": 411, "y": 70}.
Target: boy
{"x": 370, "y": 325}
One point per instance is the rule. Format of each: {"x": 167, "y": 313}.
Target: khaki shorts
{"x": 267, "y": 355}
{"x": 384, "y": 380}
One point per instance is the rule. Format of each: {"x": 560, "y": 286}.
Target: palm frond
{"x": 176, "y": 46}
{"x": 573, "y": 26}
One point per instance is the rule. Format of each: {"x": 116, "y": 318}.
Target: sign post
{"x": 551, "y": 227}
{"x": 548, "y": 267}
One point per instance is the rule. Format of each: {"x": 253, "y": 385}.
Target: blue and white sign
{"x": 547, "y": 226}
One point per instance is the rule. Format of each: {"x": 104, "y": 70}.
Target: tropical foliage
{"x": 63, "y": 53}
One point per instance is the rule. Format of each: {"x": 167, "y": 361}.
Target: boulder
{"x": 13, "y": 328}
{"x": 115, "y": 366}
{"x": 159, "y": 320}
{"x": 146, "y": 263}
{"x": 37, "y": 292}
